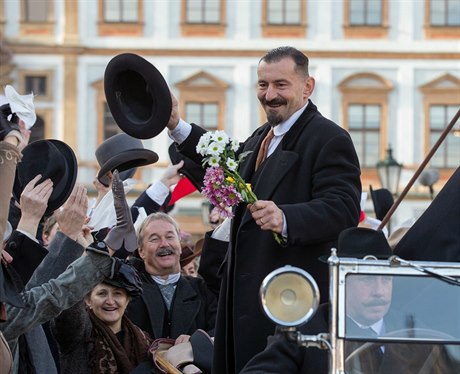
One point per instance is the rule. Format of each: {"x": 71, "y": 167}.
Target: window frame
{"x": 204, "y": 29}
{"x": 108, "y": 28}
{"x": 284, "y": 30}
{"x": 438, "y": 32}
{"x": 35, "y": 29}
{"x": 365, "y": 31}
{"x": 377, "y": 93}
{"x": 203, "y": 87}
{"x": 48, "y": 74}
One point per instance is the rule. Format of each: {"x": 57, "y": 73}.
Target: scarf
{"x": 108, "y": 355}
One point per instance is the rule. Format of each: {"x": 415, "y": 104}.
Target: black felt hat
{"x": 122, "y": 152}
{"x": 137, "y": 95}
{"x": 382, "y": 199}
{"x": 191, "y": 169}
{"x": 52, "y": 159}
{"x": 358, "y": 242}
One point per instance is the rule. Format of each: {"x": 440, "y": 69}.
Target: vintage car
{"x": 422, "y": 329}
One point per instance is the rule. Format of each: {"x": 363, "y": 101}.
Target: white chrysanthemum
{"x": 203, "y": 144}
{"x": 231, "y": 164}
{"x": 213, "y": 161}
{"x": 235, "y": 144}
{"x": 215, "y": 149}
{"x": 220, "y": 137}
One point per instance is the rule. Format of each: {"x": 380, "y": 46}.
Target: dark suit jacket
{"x": 193, "y": 307}
{"x": 314, "y": 177}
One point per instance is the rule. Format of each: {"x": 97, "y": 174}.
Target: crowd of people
{"x": 92, "y": 286}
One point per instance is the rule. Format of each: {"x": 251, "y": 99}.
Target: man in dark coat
{"x": 171, "y": 305}
{"x": 308, "y": 189}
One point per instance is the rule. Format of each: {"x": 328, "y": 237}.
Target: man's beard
{"x": 274, "y": 119}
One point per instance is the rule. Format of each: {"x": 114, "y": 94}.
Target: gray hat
{"x": 122, "y": 152}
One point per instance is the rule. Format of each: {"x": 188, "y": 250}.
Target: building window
{"x": 36, "y": 10}
{"x": 203, "y": 11}
{"x": 110, "y": 126}
{"x": 365, "y": 19}
{"x": 441, "y": 100}
{"x": 202, "y": 99}
{"x": 203, "y": 18}
{"x": 284, "y": 18}
{"x": 445, "y": 13}
{"x": 364, "y": 128}
{"x": 37, "y": 18}
{"x": 442, "y": 19}
{"x": 365, "y": 12}
{"x": 206, "y": 114}
{"x": 365, "y": 98}
{"x": 448, "y": 153}
{"x": 121, "y": 18}
{"x": 38, "y": 83}
{"x": 120, "y": 11}
{"x": 283, "y": 12}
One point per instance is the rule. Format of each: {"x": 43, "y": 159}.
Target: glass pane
{"x": 275, "y": 12}
{"x": 130, "y": 10}
{"x": 372, "y": 116}
{"x": 292, "y": 16}
{"x": 37, "y": 85}
{"x": 357, "y": 12}
{"x": 110, "y": 126}
{"x": 437, "y": 117}
{"x": 357, "y": 138}
{"x": 438, "y": 157}
{"x": 112, "y": 11}
{"x": 453, "y": 151}
{"x": 437, "y": 11}
{"x": 212, "y": 11}
{"x": 372, "y": 148}
{"x": 193, "y": 112}
{"x": 374, "y": 12}
{"x": 355, "y": 116}
{"x": 194, "y": 11}
{"x": 36, "y": 10}
{"x": 453, "y": 14}
{"x": 210, "y": 115}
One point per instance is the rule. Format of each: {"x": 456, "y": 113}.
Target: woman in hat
{"x": 95, "y": 336}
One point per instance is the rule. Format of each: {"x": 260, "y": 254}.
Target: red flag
{"x": 183, "y": 188}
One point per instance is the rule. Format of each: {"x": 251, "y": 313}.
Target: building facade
{"x": 387, "y": 71}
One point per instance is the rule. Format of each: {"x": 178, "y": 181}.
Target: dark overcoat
{"x": 193, "y": 307}
{"x": 314, "y": 177}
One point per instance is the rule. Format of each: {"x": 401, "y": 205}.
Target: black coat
{"x": 193, "y": 307}
{"x": 314, "y": 177}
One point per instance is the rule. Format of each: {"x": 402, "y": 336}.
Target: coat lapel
{"x": 185, "y": 308}
{"x": 153, "y": 300}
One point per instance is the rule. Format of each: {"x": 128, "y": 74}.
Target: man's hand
{"x": 33, "y": 202}
{"x": 101, "y": 189}
{"x": 267, "y": 215}
{"x": 171, "y": 175}
{"x": 175, "y": 116}
{"x": 73, "y": 214}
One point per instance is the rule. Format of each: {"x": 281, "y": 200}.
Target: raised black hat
{"x": 137, "y": 95}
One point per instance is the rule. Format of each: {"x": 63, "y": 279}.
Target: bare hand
{"x": 73, "y": 214}
{"x": 33, "y": 202}
{"x": 101, "y": 189}
{"x": 25, "y": 135}
{"x": 175, "y": 116}
{"x": 267, "y": 215}
{"x": 171, "y": 175}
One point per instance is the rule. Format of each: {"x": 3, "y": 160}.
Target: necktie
{"x": 264, "y": 148}
{"x": 167, "y": 290}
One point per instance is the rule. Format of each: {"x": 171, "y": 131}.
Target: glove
{"x": 6, "y": 127}
{"x": 123, "y": 232}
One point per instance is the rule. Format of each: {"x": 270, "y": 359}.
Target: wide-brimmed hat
{"x": 190, "y": 253}
{"x": 359, "y": 242}
{"x": 382, "y": 199}
{"x": 52, "y": 159}
{"x": 137, "y": 95}
{"x": 126, "y": 277}
{"x": 122, "y": 152}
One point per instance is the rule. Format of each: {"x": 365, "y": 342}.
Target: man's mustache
{"x": 378, "y": 302}
{"x": 165, "y": 251}
{"x": 274, "y": 102}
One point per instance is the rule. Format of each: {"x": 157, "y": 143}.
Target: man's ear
{"x": 309, "y": 86}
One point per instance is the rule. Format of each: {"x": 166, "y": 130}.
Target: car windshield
{"x": 401, "y": 324}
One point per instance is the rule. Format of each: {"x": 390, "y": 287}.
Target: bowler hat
{"x": 52, "y": 159}
{"x": 137, "y": 95}
{"x": 122, "y": 152}
{"x": 359, "y": 242}
{"x": 382, "y": 199}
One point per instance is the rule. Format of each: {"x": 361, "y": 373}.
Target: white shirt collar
{"x": 377, "y": 326}
{"x": 172, "y": 278}
{"x": 285, "y": 126}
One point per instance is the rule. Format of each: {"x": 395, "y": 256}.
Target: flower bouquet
{"x": 223, "y": 185}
